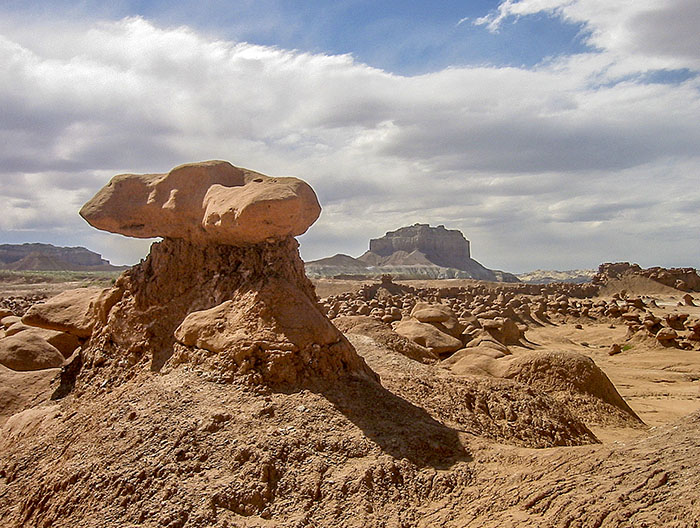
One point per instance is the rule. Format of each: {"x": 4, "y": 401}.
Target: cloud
{"x": 534, "y": 165}
{"x": 664, "y": 34}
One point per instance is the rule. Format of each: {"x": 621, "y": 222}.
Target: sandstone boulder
{"x": 666, "y": 335}
{"x": 65, "y": 343}
{"x": 440, "y": 316}
{"x": 431, "y": 313}
{"x": 574, "y": 379}
{"x": 73, "y": 311}
{"x": 20, "y": 390}
{"x": 28, "y": 351}
{"x": 7, "y": 321}
{"x": 428, "y": 336}
{"x": 207, "y": 202}
{"x": 16, "y": 328}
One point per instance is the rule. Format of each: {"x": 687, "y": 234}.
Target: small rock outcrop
{"x": 684, "y": 279}
{"x": 225, "y": 291}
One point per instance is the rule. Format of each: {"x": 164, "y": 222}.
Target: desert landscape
{"x": 215, "y": 384}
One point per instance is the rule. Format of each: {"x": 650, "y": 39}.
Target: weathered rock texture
{"x": 209, "y": 202}
{"x": 225, "y": 291}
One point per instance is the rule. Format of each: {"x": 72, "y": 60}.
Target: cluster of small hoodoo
{"x": 684, "y": 279}
{"x": 673, "y": 329}
{"x": 445, "y": 320}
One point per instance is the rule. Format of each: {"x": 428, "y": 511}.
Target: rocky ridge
{"x": 577, "y": 276}
{"x": 685, "y": 279}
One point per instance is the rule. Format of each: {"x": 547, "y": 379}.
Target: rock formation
{"x": 443, "y": 247}
{"x": 225, "y": 290}
{"x": 417, "y": 251}
{"x": 577, "y": 276}
{"x": 684, "y": 279}
{"x": 48, "y": 257}
{"x": 207, "y": 203}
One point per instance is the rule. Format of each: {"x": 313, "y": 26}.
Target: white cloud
{"x": 640, "y": 34}
{"x": 551, "y": 166}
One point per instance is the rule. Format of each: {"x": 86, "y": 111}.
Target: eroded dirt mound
{"x": 384, "y": 335}
{"x": 649, "y": 482}
{"x": 499, "y": 409}
{"x": 180, "y": 451}
{"x": 575, "y": 380}
{"x": 177, "y": 450}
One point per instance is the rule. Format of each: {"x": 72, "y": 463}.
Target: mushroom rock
{"x": 225, "y": 290}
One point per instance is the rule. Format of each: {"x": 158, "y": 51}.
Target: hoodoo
{"x": 225, "y": 289}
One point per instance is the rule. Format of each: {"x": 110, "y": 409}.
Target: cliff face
{"x": 417, "y": 251}
{"x": 49, "y": 257}
{"x": 444, "y": 247}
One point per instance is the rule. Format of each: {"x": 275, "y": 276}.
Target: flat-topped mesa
{"x": 225, "y": 291}
{"x": 441, "y": 246}
{"x": 207, "y": 202}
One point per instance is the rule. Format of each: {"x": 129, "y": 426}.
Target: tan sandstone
{"x": 206, "y": 202}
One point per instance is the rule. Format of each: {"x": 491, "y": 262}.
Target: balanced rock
{"x": 208, "y": 202}
{"x": 224, "y": 291}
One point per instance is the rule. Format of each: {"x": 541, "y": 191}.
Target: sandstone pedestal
{"x": 225, "y": 291}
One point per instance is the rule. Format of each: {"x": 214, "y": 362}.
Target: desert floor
{"x": 639, "y": 477}
{"x": 660, "y": 384}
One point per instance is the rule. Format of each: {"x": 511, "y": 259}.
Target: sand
{"x": 180, "y": 451}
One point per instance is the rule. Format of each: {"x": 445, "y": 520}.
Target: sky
{"x": 555, "y": 134}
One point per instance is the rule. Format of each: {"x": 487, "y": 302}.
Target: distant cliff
{"x": 440, "y": 246}
{"x": 417, "y": 251}
{"x": 46, "y": 257}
